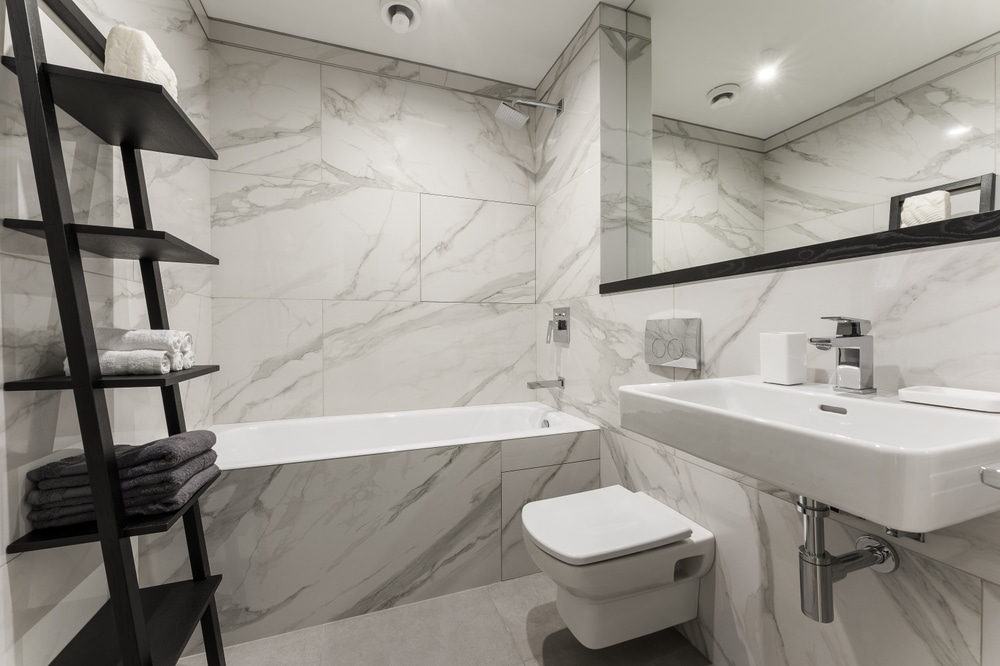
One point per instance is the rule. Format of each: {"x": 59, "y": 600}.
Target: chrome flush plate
{"x": 673, "y": 343}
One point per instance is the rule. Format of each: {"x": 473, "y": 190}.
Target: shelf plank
{"x": 172, "y": 613}
{"x": 71, "y": 535}
{"x": 63, "y": 383}
{"x": 125, "y": 111}
{"x": 123, "y": 243}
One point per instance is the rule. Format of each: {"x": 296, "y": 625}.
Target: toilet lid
{"x": 601, "y": 524}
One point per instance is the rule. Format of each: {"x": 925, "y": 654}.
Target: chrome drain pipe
{"x": 819, "y": 570}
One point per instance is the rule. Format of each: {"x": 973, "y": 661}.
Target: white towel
{"x": 119, "y": 339}
{"x": 930, "y": 207}
{"x": 188, "y": 360}
{"x": 140, "y": 362}
{"x": 133, "y": 54}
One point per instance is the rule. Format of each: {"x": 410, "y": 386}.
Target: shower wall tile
{"x": 568, "y": 237}
{"x": 392, "y": 134}
{"x": 265, "y": 114}
{"x": 270, "y": 353}
{"x": 394, "y": 356}
{"x": 902, "y": 145}
{"x": 280, "y": 238}
{"x": 529, "y": 485}
{"x": 476, "y": 251}
{"x": 569, "y": 145}
{"x": 303, "y": 544}
{"x": 576, "y": 44}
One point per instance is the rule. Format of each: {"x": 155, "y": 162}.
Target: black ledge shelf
{"x": 64, "y": 383}
{"x": 125, "y": 112}
{"x": 122, "y": 243}
{"x": 57, "y": 537}
{"x": 172, "y": 613}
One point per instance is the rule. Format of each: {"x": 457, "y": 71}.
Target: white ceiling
{"x": 515, "y": 41}
{"x": 831, "y": 52}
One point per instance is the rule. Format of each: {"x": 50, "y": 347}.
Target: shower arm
{"x": 545, "y": 105}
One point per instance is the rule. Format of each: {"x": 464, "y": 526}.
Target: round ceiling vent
{"x": 723, "y": 95}
{"x": 401, "y": 15}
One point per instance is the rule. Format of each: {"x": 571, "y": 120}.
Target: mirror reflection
{"x": 781, "y": 124}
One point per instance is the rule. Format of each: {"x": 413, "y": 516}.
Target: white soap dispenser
{"x": 783, "y": 358}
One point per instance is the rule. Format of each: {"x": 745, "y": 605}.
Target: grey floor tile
{"x": 462, "y": 629}
{"x": 305, "y": 647}
{"x": 528, "y": 608}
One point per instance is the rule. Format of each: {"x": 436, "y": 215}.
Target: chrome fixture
{"x": 990, "y": 475}
{"x": 508, "y": 114}
{"x": 673, "y": 343}
{"x": 855, "y": 354}
{"x": 819, "y": 570}
{"x": 558, "y": 382}
{"x": 558, "y": 328}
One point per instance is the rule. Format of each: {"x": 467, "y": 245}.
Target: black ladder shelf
{"x": 137, "y": 626}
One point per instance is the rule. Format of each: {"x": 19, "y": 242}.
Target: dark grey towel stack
{"x": 158, "y": 477}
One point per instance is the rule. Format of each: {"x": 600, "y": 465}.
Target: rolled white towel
{"x": 925, "y": 208}
{"x": 133, "y": 54}
{"x": 176, "y": 361}
{"x": 119, "y": 339}
{"x": 139, "y": 362}
{"x": 187, "y": 342}
{"x": 188, "y": 360}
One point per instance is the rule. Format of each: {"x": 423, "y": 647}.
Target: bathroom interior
{"x": 518, "y": 349}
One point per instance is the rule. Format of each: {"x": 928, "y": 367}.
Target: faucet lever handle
{"x": 851, "y": 327}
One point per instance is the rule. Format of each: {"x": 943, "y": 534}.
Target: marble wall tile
{"x": 393, "y": 356}
{"x": 899, "y": 146}
{"x": 686, "y": 177}
{"x": 265, "y": 114}
{"x": 991, "y": 618}
{"x": 575, "y": 45}
{"x": 527, "y": 485}
{"x": 568, "y": 240}
{"x": 280, "y": 238}
{"x": 681, "y": 129}
{"x": 547, "y": 450}
{"x": 842, "y": 225}
{"x": 270, "y": 353}
{"x": 569, "y": 145}
{"x": 678, "y": 245}
{"x": 393, "y": 134}
{"x": 304, "y": 544}
{"x": 476, "y": 251}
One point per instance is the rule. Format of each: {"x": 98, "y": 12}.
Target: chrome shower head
{"x": 509, "y": 115}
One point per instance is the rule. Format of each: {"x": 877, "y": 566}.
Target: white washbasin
{"x": 910, "y": 467}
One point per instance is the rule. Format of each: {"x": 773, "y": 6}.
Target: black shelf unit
{"x": 120, "y": 243}
{"x": 172, "y": 611}
{"x": 137, "y": 627}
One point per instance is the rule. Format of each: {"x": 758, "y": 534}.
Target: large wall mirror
{"x": 821, "y": 115}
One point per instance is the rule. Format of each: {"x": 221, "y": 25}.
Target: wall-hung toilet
{"x": 625, "y": 565}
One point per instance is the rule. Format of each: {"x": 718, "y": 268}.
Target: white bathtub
{"x": 266, "y": 443}
{"x": 315, "y": 520}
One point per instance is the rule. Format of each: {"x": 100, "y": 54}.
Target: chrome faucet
{"x": 855, "y": 354}
{"x": 558, "y": 382}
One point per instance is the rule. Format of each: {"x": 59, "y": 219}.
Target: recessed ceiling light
{"x": 767, "y": 71}
{"x": 401, "y": 15}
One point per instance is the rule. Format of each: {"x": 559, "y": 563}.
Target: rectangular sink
{"x": 909, "y": 467}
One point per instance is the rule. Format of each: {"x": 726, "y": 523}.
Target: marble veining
{"x": 303, "y": 544}
{"x": 387, "y": 133}
{"x": 476, "y": 251}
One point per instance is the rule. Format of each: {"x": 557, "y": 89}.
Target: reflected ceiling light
{"x": 959, "y": 130}
{"x": 768, "y": 69}
{"x": 401, "y": 15}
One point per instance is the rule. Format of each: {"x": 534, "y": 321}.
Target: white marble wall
{"x": 45, "y": 597}
{"x": 377, "y": 240}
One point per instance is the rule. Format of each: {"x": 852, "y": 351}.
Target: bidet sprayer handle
{"x": 851, "y": 327}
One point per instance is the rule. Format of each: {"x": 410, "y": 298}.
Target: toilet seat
{"x": 600, "y": 525}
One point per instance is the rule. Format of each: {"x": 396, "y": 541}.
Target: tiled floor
{"x": 506, "y": 624}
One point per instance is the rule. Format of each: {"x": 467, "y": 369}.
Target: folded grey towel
{"x": 133, "y": 461}
{"x": 72, "y": 515}
{"x": 158, "y": 483}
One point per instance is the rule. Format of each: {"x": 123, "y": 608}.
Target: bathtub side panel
{"x": 303, "y": 544}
